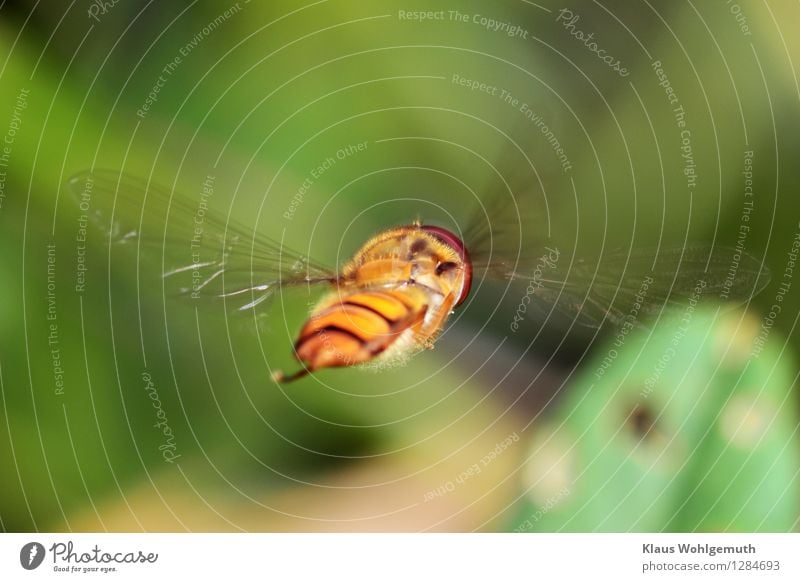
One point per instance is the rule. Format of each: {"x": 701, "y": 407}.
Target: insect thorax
{"x": 406, "y": 255}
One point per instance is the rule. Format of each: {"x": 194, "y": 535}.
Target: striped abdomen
{"x": 354, "y": 328}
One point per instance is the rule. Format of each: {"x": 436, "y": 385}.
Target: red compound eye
{"x": 455, "y": 243}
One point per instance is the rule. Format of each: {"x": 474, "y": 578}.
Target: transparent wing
{"x": 634, "y": 286}
{"x": 202, "y": 254}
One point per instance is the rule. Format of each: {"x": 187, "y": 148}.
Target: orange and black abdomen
{"x": 355, "y": 328}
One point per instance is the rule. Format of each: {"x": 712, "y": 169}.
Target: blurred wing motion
{"x": 202, "y": 255}
{"x": 637, "y": 286}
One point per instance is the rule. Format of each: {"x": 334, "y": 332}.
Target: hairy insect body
{"x": 392, "y": 297}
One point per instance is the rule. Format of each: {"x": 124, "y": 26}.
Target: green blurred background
{"x": 492, "y": 430}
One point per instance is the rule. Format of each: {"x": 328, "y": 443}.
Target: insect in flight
{"x": 396, "y": 293}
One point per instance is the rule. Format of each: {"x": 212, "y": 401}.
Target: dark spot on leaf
{"x": 642, "y": 421}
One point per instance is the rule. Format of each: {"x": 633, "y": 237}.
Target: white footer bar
{"x": 353, "y": 557}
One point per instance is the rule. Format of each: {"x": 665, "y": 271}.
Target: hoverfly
{"x": 396, "y": 293}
